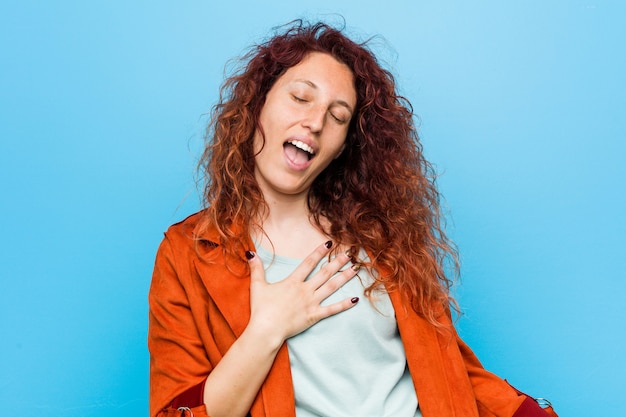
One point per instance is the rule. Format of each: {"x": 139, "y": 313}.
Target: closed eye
{"x": 298, "y": 99}
{"x": 338, "y": 119}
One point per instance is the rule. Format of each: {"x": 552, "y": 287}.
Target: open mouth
{"x": 298, "y": 151}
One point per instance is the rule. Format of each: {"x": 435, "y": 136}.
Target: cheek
{"x": 343, "y": 142}
{"x": 257, "y": 143}
{"x": 340, "y": 151}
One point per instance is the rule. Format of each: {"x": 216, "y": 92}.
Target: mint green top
{"x": 350, "y": 364}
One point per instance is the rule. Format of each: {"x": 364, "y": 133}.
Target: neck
{"x": 287, "y": 229}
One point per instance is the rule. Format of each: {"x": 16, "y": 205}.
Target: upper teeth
{"x": 301, "y": 145}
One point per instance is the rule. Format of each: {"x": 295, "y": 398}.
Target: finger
{"x": 329, "y": 270}
{"x": 332, "y": 285}
{"x": 336, "y": 308}
{"x": 257, "y": 272}
{"x": 310, "y": 262}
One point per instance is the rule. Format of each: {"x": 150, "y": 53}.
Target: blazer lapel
{"x": 434, "y": 364}
{"x": 229, "y": 292}
{"x": 227, "y": 281}
{"x": 229, "y": 288}
{"x": 423, "y": 358}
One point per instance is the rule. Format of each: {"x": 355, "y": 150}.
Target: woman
{"x": 313, "y": 283}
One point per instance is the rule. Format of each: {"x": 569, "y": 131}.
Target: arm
{"x": 179, "y": 359}
{"x": 278, "y": 311}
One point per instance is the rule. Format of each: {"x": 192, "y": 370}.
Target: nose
{"x": 314, "y": 119}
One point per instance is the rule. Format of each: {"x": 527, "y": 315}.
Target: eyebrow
{"x": 339, "y": 102}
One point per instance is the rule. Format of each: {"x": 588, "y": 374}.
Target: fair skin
{"x": 310, "y": 106}
{"x": 305, "y": 120}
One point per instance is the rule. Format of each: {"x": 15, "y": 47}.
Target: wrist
{"x": 264, "y": 335}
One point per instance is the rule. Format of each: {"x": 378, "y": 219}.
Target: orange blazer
{"x": 199, "y": 307}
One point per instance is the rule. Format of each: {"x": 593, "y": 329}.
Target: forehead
{"x": 325, "y": 73}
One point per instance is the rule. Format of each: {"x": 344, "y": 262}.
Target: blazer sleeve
{"x": 178, "y": 359}
{"x": 493, "y": 395}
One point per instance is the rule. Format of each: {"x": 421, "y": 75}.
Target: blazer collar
{"x": 226, "y": 280}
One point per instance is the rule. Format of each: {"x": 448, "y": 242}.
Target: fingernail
{"x": 354, "y": 300}
{"x": 249, "y": 255}
{"x": 328, "y": 244}
{"x": 355, "y": 267}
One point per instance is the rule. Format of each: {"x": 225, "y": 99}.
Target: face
{"x": 305, "y": 119}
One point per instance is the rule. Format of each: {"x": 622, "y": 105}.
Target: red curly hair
{"x": 380, "y": 192}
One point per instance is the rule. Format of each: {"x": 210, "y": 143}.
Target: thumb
{"x": 257, "y": 273}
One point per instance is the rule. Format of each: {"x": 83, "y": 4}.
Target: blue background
{"x": 102, "y": 109}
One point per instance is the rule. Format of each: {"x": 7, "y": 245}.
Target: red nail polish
{"x": 354, "y": 300}
{"x": 249, "y": 255}
{"x": 328, "y": 244}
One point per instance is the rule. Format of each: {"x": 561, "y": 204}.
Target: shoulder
{"x": 185, "y": 225}
{"x": 182, "y": 238}
{"x": 191, "y": 229}
{"x": 183, "y": 245}
{"x": 192, "y": 238}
